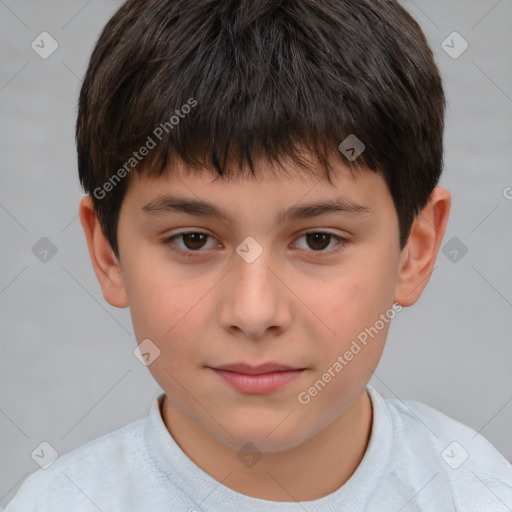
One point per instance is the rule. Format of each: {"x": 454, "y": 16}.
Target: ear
{"x": 104, "y": 261}
{"x": 419, "y": 255}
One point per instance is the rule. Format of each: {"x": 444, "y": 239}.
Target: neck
{"x": 309, "y": 471}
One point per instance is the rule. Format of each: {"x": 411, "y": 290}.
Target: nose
{"x": 255, "y": 301}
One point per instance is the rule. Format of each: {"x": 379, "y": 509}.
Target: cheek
{"x": 159, "y": 304}
{"x": 357, "y": 298}
{"x": 172, "y": 320}
{"x": 355, "y": 301}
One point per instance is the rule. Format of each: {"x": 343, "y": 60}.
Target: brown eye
{"x": 194, "y": 241}
{"x": 318, "y": 241}
{"x": 190, "y": 243}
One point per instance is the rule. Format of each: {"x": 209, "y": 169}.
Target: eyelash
{"x": 169, "y": 241}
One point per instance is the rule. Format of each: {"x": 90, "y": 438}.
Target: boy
{"x": 261, "y": 182}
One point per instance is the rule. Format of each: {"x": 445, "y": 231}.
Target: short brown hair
{"x": 264, "y": 77}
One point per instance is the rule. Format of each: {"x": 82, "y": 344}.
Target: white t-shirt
{"x": 417, "y": 459}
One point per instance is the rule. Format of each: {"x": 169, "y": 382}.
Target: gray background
{"x": 68, "y": 373}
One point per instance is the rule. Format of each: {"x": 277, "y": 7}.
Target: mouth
{"x": 261, "y": 379}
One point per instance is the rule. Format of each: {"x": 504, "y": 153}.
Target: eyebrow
{"x": 169, "y": 205}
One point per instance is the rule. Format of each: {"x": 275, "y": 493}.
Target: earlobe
{"x": 419, "y": 255}
{"x": 105, "y": 263}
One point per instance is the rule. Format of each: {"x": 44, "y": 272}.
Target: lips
{"x": 247, "y": 369}
{"x": 262, "y": 379}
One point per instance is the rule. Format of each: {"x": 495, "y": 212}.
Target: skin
{"x": 300, "y": 303}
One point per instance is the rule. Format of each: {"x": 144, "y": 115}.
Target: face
{"x": 266, "y": 282}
